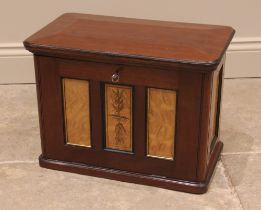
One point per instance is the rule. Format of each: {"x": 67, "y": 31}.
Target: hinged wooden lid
{"x": 132, "y": 40}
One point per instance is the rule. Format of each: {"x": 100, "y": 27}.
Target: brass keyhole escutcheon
{"x": 115, "y": 78}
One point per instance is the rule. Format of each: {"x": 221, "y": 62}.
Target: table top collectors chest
{"x": 131, "y": 100}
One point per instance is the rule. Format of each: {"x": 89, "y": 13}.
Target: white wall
{"x": 19, "y": 19}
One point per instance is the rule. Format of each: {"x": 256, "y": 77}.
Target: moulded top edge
{"x": 171, "y": 42}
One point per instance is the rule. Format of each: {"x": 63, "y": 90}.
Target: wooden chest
{"x": 131, "y": 100}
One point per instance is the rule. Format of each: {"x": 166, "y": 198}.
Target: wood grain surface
{"x": 188, "y": 161}
{"x": 133, "y": 38}
{"x": 164, "y": 108}
{"x": 161, "y": 123}
{"x": 188, "y": 111}
{"x": 76, "y": 112}
{"x": 214, "y": 106}
{"x": 118, "y": 111}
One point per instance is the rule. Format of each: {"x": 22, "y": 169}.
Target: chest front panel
{"x": 121, "y": 117}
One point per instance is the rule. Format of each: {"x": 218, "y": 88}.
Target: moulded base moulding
{"x": 137, "y": 178}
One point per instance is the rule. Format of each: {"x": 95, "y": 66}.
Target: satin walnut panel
{"x": 161, "y": 116}
{"x": 76, "y": 112}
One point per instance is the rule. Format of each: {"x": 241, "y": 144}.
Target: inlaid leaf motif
{"x": 118, "y": 100}
{"x": 120, "y": 133}
{"x": 118, "y": 117}
{"x": 118, "y": 106}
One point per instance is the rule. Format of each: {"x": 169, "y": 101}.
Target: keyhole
{"x": 115, "y": 78}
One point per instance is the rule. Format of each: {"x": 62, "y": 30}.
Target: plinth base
{"x": 137, "y": 178}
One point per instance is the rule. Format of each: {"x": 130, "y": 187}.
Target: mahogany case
{"x": 131, "y": 100}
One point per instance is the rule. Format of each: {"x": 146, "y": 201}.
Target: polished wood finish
{"x": 177, "y": 58}
{"x": 214, "y": 106}
{"x": 161, "y": 118}
{"x": 132, "y": 40}
{"x": 118, "y": 113}
{"x": 76, "y": 112}
{"x": 189, "y": 86}
{"x": 171, "y": 184}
